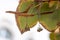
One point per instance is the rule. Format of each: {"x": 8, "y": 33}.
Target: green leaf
{"x": 54, "y": 36}
{"x": 23, "y": 6}
{"x": 26, "y": 22}
{"x": 29, "y": 21}
{"x": 50, "y": 21}
{"x": 57, "y": 36}
{"x": 33, "y": 9}
{"x": 53, "y": 7}
{"x": 45, "y": 7}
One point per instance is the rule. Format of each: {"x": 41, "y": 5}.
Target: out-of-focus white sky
{"x": 6, "y": 5}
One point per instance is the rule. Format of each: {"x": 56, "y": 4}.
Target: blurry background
{"x": 8, "y": 25}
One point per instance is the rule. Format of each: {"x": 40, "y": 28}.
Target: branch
{"x": 20, "y": 14}
{"x": 45, "y": 0}
{"x": 50, "y": 12}
{"x": 25, "y": 14}
{"x": 42, "y": 0}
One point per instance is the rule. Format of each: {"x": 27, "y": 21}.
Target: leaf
{"x": 54, "y": 36}
{"x": 25, "y": 23}
{"x": 28, "y": 21}
{"x": 50, "y": 21}
{"x": 47, "y": 19}
{"x": 46, "y": 8}
{"x": 33, "y": 9}
{"x": 57, "y": 36}
{"x": 23, "y": 6}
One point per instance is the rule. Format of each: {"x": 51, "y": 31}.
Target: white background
{"x": 11, "y": 5}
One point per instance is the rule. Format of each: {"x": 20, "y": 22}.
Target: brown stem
{"x": 42, "y": 0}
{"x": 50, "y": 12}
{"x": 20, "y": 14}
{"x": 25, "y": 14}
